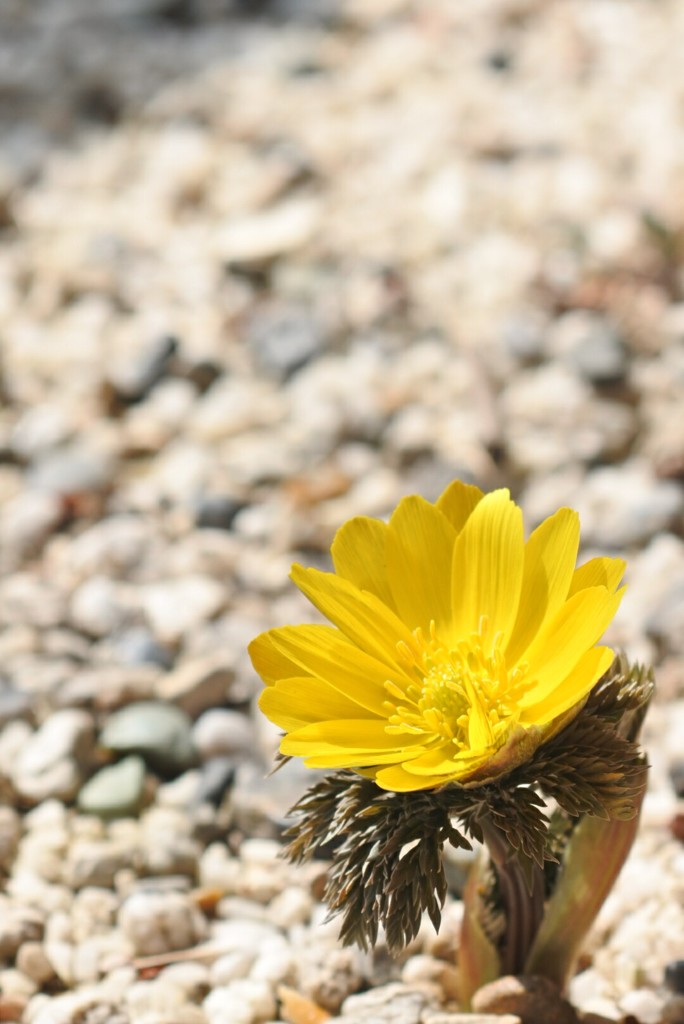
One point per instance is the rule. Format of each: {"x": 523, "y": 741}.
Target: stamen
{"x": 465, "y": 695}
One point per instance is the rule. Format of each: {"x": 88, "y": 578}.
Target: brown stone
{"x": 535, "y": 1000}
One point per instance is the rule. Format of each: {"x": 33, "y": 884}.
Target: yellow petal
{"x": 359, "y": 554}
{"x": 341, "y": 757}
{"x": 442, "y": 760}
{"x": 598, "y": 572}
{"x": 269, "y": 662}
{"x": 356, "y": 741}
{"x": 488, "y": 567}
{"x": 322, "y": 652}
{"x": 558, "y": 648}
{"x": 398, "y": 780}
{"x": 361, "y": 616}
{"x": 550, "y": 556}
{"x": 419, "y": 550}
{"x": 458, "y": 501}
{"x": 297, "y": 701}
{"x": 571, "y": 691}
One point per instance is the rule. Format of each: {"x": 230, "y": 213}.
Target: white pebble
{"x": 241, "y": 1002}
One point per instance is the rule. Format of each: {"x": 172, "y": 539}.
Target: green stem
{"x": 591, "y": 863}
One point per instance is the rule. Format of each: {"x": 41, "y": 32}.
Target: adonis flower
{"x": 457, "y": 648}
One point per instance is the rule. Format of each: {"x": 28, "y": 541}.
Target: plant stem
{"x": 521, "y": 883}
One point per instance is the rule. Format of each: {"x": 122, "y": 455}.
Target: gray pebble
{"x": 132, "y": 377}
{"x": 116, "y": 790}
{"x": 592, "y": 344}
{"x": 217, "y": 511}
{"x": 284, "y": 338}
{"x": 160, "y": 733}
{"x": 218, "y": 776}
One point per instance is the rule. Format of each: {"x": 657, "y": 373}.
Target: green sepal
{"x": 593, "y": 858}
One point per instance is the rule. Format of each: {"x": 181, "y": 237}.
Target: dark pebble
{"x": 217, "y": 511}
{"x": 218, "y": 776}
{"x": 134, "y": 380}
{"x": 677, "y": 777}
{"x": 674, "y": 976}
{"x": 284, "y": 338}
{"x": 137, "y": 646}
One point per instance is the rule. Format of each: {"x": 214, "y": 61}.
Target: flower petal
{"x": 396, "y": 778}
{"x": 598, "y": 572}
{"x": 487, "y": 568}
{"x": 359, "y": 554}
{"x": 556, "y": 651}
{"x": 458, "y": 501}
{"x": 361, "y": 616}
{"x": 322, "y": 652}
{"x": 572, "y": 690}
{"x": 297, "y": 701}
{"x": 550, "y": 556}
{"x": 419, "y": 550}
{"x": 350, "y": 742}
{"x": 269, "y": 662}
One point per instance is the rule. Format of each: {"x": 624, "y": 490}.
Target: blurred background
{"x": 268, "y": 265}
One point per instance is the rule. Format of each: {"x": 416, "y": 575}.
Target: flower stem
{"x": 521, "y": 884}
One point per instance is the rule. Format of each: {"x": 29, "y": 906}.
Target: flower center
{"x": 466, "y": 694}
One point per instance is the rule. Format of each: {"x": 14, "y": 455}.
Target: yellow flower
{"x": 456, "y": 648}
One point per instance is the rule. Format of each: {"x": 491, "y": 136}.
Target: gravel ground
{"x": 264, "y": 267}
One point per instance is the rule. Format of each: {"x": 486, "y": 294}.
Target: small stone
{"x": 12, "y": 1008}
{"x": 222, "y": 732}
{"x": 677, "y": 779}
{"x": 293, "y": 905}
{"x": 644, "y": 1004}
{"x": 10, "y": 832}
{"x": 138, "y": 646}
{"x": 17, "y": 925}
{"x": 193, "y": 979}
{"x": 440, "y": 1017}
{"x": 533, "y": 999}
{"x": 14, "y": 703}
{"x": 73, "y": 471}
{"x": 217, "y": 511}
{"x": 592, "y": 344}
{"x": 178, "y": 606}
{"x": 252, "y": 242}
{"x": 96, "y": 862}
{"x": 524, "y": 336}
{"x": 284, "y": 338}
{"x": 218, "y": 776}
{"x": 673, "y": 1010}
{"x": 243, "y": 1001}
{"x": 161, "y": 922}
{"x": 389, "y": 1004}
{"x": 674, "y": 975}
{"x": 67, "y": 733}
{"x": 116, "y": 791}
{"x": 160, "y": 733}
{"x": 329, "y": 975}
{"x": 26, "y": 522}
{"x": 134, "y": 374}
{"x": 32, "y": 961}
{"x": 231, "y": 967}
{"x": 198, "y": 684}
{"x": 98, "y": 607}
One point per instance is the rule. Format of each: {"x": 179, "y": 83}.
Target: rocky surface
{"x": 265, "y": 266}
